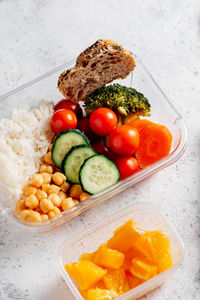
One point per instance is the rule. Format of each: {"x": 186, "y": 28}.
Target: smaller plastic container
{"x": 146, "y": 215}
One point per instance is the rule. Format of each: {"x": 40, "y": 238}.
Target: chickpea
{"x": 58, "y": 178}
{"x": 20, "y": 205}
{"x": 31, "y": 201}
{"x": 37, "y": 180}
{"x": 44, "y": 217}
{"x": 76, "y": 201}
{"x": 53, "y": 189}
{"x": 47, "y": 159}
{"x": 34, "y": 217}
{"x": 49, "y": 169}
{"x": 75, "y": 191}
{"x": 62, "y": 195}
{"x": 84, "y": 196}
{"x": 67, "y": 203}
{"x": 45, "y": 187}
{"x": 24, "y": 214}
{"x": 29, "y": 190}
{"x": 55, "y": 199}
{"x": 51, "y": 214}
{"x": 43, "y": 168}
{"x": 46, "y": 205}
{"x": 65, "y": 186}
{"x": 41, "y": 194}
{"x": 56, "y": 210}
{"x": 46, "y": 169}
{"x": 46, "y": 178}
{"x": 29, "y": 215}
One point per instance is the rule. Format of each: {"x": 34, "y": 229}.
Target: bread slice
{"x": 99, "y": 64}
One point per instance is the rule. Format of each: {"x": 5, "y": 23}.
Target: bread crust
{"x": 99, "y": 64}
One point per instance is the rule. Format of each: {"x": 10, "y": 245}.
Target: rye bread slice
{"x": 99, "y": 64}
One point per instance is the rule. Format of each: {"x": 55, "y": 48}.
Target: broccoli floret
{"x": 121, "y": 99}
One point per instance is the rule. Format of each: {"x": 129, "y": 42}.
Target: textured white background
{"x": 36, "y": 36}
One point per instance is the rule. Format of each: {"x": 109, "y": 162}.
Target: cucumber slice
{"x": 73, "y": 160}
{"x": 64, "y": 141}
{"x": 98, "y": 173}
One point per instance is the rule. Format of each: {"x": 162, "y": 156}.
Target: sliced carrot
{"x": 140, "y": 124}
{"x": 155, "y": 143}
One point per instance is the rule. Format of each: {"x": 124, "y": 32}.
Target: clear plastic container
{"x": 45, "y": 87}
{"x": 146, "y": 215}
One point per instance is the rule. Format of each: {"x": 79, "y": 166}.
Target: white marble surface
{"x": 37, "y": 35}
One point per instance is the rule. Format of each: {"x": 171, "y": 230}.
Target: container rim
{"x": 92, "y": 228}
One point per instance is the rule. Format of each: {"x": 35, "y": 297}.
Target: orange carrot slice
{"x": 155, "y": 143}
{"x": 140, "y": 124}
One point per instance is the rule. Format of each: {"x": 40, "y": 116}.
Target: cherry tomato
{"x": 63, "y": 119}
{"x": 124, "y": 140}
{"x": 67, "y": 104}
{"x": 102, "y": 121}
{"x": 127, "y": 165}
{"x": 101, "y": 149}
{"x": 83, "y": 125}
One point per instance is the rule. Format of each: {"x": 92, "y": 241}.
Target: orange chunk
{"x": 101, "y": 294}
{"x": 84, "y": 293}
{"x": 143, "y": 270}
{"x": 100, "y": 285}
{"x": 87, "y": 256}
{"x": 126, "y": 286}
{"x": 129, "y": 256}
{"x": 133, "y": 281}
{"x": 165, "y": 263}
{"x": 85, "y": 273}
{"x": 114, "y": 280}
{"x": 108, "y": 258}
{"x": 125, "y": 236}
{"x": 154, "y": 245}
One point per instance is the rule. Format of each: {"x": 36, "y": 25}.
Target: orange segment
{"x": 125, "y": 236}
{"x": 85, "y": 273}
{"x": 133, "y": 281}
{"x": 99, "y": 285}
{"x": 154, "y": 245}
{"x": 101, "y": 294}
{"x": 114, "y": 280}
{"x": 87, "y": 256}
{"x": 108, "y": 258}
{"x": 165, "y": 263}
{"x": 143, "y": 270}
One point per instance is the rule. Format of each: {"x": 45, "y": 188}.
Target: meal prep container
{"x": 146, "y": 215}
{"x": 45, "y": 87}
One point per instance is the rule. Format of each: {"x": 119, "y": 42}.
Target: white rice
{"x": 24, "y": 139}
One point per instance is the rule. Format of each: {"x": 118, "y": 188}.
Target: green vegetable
{"x": 74, "y": 159}
{"x": 98, "y": 173}
{"x": 64, "y": 141}
{"x": 121, "y": 99}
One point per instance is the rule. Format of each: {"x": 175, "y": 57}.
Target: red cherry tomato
{"x": 63, "y": 119}
{"x": 101, "y": 149}
{"x": 102, "y": 121}
{"x": 124, "y": 140}
{"x": 67, "y": 104}
{"x": 83, "y": 125}
{"x": 127, "y": 165}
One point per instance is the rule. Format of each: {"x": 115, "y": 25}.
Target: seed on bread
{"x": 99, "y": 64}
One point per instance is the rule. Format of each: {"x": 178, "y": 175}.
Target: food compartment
{"x": 45, "y": 88}
{"x": 146, "y": 215}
